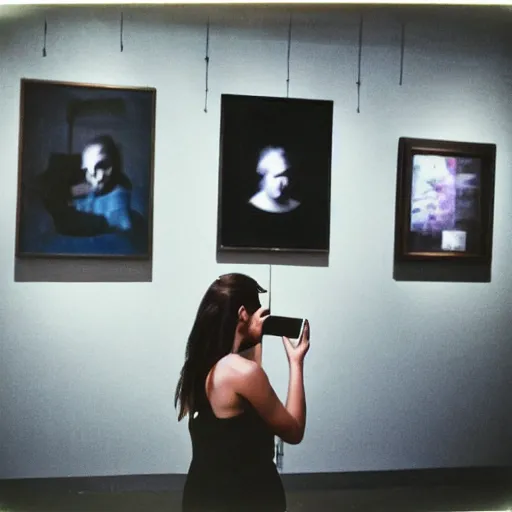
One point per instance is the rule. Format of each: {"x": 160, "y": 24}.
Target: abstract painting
{"x": 445, "y": 202}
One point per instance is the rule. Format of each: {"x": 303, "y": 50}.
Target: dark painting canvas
{"x": 275, "y": 174}
{"x": 85, "y": 170}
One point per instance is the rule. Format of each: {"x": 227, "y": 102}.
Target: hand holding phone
{"x": 297, "y": 350}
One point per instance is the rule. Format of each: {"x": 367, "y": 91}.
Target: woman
{"x": 233, "y": 411}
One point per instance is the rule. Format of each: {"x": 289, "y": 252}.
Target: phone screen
{"x": 283, "y": 326}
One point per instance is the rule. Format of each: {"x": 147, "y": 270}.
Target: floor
{"x": 448, "y": 499}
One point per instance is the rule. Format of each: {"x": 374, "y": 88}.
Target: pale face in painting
{"x": 273, "y": 196}
{"x": 97, "y": 166}
{"x": 273, "y": 166}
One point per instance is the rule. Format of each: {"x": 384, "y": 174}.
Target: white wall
{"x": 400, "y": 374}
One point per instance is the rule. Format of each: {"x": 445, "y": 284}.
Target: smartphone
{"x": 284, "y": 326}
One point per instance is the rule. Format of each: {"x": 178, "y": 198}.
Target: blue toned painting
{"x": 86, "y": 171}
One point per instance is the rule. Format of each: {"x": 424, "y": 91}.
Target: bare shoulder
{"x": 230, "y": 372}
{"x": 238, "y": 365}
{"x": 242, "y": 372}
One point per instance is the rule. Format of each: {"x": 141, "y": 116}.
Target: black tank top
{"x": 232, "y": 468}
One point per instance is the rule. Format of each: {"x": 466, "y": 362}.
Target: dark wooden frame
{"x": 221, "y": 248}
{"x": 152, "y": 90}
{"x": 408, "y": 147}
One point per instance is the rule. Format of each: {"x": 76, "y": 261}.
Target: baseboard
{"x": 490, "y": 477}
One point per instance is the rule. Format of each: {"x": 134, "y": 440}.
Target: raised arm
{"x": 287, "y": 422}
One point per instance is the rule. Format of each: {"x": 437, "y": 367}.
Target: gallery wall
{"x": 400, "y": 375}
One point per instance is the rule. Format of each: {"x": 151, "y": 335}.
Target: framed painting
{"x": 444, "y": 200}
{"x": 275, "y": 174}
{"x": 85, "y": 171}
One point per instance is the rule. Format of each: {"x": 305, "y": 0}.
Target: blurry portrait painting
{"x": 449, "y": 198}
{"x": 85, "y": 181}
{"x": 275, "y": 174}
{"x": 272, "y": 195}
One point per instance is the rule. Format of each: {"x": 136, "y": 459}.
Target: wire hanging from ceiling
{"x": 207, "y": 64}
{"x": 402, "y": 49}
{"x": 45, "y": 32}
{"x": 288, "y": 57}
{"x": 121, "y": 28}
{"x": 358, "y": 83}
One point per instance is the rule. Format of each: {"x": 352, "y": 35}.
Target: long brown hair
{"x": 213, "y": 331}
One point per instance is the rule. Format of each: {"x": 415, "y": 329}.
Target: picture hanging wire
{"x": 121, "y": 32}
{"x": 358, "y": 83}
{"x": 402, "y": 47}
{"x": 288, "y": 57}
{"x": 269, "y": 287}
{"x": 207, "y": 63}
{"x": 45, "y": 31}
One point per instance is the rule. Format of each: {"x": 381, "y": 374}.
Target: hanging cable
{"x": 269, "y": 287}
{"x": 279, "y": 446}
{"x": 121, "y": 26}
{"x": 402, "y": 48}
{"x": 288, "y": 57}
{"x": 207, "y": 63}
{"x": 358, "y": 83}
{"x": 45, "y": 31}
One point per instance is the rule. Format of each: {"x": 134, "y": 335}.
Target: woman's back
{"x": 232, "y": 466}
{"x": 233, "y": 411}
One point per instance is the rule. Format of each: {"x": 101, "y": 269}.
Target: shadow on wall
{"x": 82, "y": 271}
{"x": 274, "y": 258}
